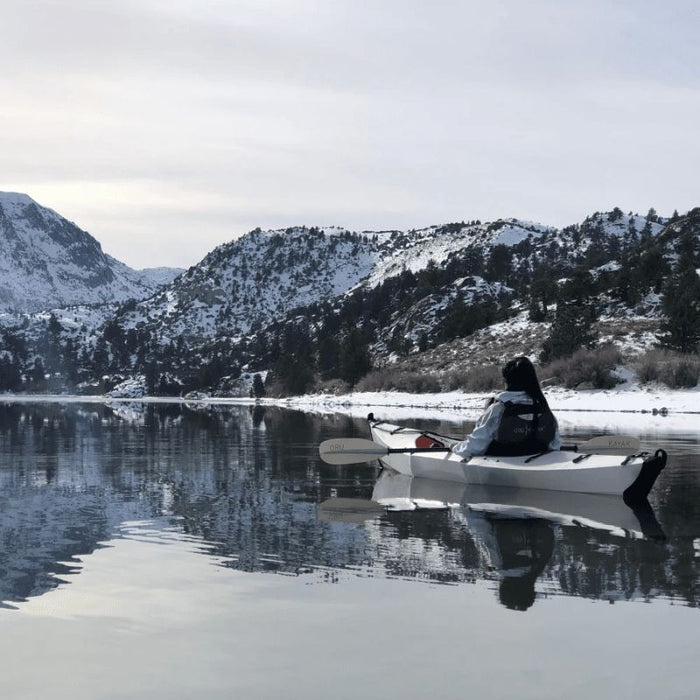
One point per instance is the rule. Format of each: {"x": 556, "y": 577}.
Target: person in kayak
{"x": 517, "y": 422}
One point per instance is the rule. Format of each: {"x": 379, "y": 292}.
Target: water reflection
{"x": 247, "y": 483}
{"x": 509, "y": 535}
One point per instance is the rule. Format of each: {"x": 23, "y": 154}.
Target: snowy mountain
{"x": 258, "y": 278}
{"x": 318, "y": 305}
{"x": 265, "y": 274}
{"x": 48, "y": 262}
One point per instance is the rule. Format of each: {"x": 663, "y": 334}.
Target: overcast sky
{"x": 166, "y": 127}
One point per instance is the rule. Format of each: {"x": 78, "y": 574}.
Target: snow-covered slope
{"x": 256, "y": 278}
{"x": 413, "y": 250}
{"x": 48, "y": 262}
{"x": 265, "y": 274}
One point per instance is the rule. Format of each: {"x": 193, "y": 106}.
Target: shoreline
{"x": 648, "y": 410}
{"x": 628, "y": 407}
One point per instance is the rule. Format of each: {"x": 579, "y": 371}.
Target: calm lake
{"x": 162, "y": 551}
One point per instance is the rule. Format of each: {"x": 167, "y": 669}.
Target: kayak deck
{"x": 554, "y": 470}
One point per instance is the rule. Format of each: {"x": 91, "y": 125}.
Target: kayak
{"x": 424, "y": 454}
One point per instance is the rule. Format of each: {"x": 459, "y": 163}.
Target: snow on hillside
{"x": 79, "y": 323}
{"x": 256, "y": 278}
{"x": 49, "y": 262}
{"x": 263, "y": 275}
{"x": 414, "y": 250}
{"x": 622, "y": 225}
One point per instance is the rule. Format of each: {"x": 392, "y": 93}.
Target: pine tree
{"x": 500, "y": 264}
{"x": 543, "y": 291}
{"x": 10, "y": 375}
{"x": 355, "y": 361}
{"x": 258, "y": 387}
{"x": 328, "y": 360}
{"x": 453, "y": 324}
{"x": 293, "y": 368}
{"x": 681, "y": 302}
{"x": 571, "y": 330}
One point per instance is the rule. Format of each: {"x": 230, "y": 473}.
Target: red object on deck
{"x": 427, "y": 441}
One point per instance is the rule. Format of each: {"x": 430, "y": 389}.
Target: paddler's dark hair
{"x": 519, "y": 374}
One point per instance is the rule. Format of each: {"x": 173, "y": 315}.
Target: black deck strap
{"x": 580, "y": 458}
{"x": 629, "y": 458}
{"x": 534, "y": 457}
{"x": 642, "y": 485}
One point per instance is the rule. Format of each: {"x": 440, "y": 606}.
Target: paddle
{"x": 606, "y": 445}
{"x": 354, "y": 450}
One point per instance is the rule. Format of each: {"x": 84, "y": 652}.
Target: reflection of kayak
{"x": 597, "y": 511}
{"x": 558, "y": 470}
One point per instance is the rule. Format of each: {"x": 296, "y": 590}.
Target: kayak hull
{"x": 550, "y": 471}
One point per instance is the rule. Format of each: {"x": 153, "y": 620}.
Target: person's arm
{"x": 478, "y": 441}
{"x": 555, "y": 442}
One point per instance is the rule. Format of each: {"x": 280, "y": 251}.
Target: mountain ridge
{"x": 49, "y": 262}
{"x": 316, "y": 304}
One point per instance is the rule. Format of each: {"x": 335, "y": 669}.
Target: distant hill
{"x": 160, "y": 276}
{"x": 48, "y": 262}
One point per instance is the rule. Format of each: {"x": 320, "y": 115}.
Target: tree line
{"x": 557, "y": 278}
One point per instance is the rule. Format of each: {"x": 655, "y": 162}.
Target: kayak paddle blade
{"x": 350, "y": 450}
{"x": 610, "y": 445}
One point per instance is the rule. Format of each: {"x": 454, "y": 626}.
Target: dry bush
{"x": 648, "y": 366}
{"x": 670, "y": 368}
{"x": 482, "y": 379}
{"x": 332, "y": 386}
{"x": 452, "y": 380}
{"x": 387, "y": 379}
{"x": 592, "y": 368}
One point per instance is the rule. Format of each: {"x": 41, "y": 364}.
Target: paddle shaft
{"x": 353, "y": 450}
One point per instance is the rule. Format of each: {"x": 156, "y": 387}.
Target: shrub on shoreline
{"x": 673, "y": 369}
{"x": 387, "y": 379}
{"x": 478, "y": 379}
{"x": 585, "y": 368}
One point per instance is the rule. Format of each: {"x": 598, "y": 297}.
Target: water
{"x": 157, "y": 551}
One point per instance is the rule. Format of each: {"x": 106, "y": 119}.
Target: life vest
{"x": 524, "y": 429}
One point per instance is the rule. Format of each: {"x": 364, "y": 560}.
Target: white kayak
{"x": 631, "y": 475}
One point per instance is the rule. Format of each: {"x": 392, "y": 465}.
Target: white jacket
{"x": 478, "y": 441}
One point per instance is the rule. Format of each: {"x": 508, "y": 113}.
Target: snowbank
{"x": 649, "y": 410}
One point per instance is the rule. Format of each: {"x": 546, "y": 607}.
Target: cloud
{"x": 151, "y": 122}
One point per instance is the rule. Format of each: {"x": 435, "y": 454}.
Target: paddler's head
{"x": 519, "y": 375}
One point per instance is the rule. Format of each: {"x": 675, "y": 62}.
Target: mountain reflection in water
{"x": 247, "y": 483}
